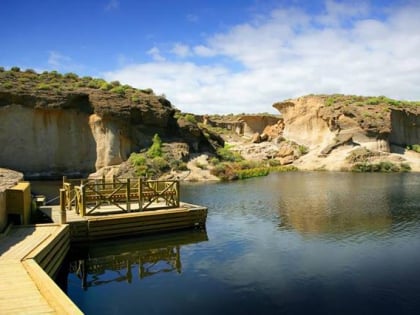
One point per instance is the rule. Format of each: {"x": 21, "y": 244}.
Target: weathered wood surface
{"x": 25, "y": 288}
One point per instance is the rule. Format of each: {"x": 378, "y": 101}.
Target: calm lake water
{"x": 288, "y": 243}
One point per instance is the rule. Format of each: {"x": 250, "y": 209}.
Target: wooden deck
{"x": 25, "y": 288}
{"x": 108, "y": 222}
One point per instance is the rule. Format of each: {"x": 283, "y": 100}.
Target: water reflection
{"x": 121, "y": 260}
{"x": 339, "y": 205}
{"x": 347, "y": 244}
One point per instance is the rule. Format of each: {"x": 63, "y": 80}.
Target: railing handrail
{"x": 82, "y": 193}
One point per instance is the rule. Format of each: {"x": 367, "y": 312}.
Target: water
{"x": 289, "y": 243}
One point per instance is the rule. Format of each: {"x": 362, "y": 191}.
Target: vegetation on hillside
{"x": 53, "y": 82}
{"x": 341, "y": 99}
{"x": 154, "y": 162}
{"x": 230, "y": 165}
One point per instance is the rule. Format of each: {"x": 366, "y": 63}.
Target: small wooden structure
{"x": 126, "y": 195}
{"x": 98, "y": 208}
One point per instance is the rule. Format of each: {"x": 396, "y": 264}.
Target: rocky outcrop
{"x": 405, "y": 128}
{"x": 54, "y": 129}
{"x": 332, "y": 130}
{"x": 303, "y": 122}
{"x": 257, "y": 123}
{"x": 46, "y": 141}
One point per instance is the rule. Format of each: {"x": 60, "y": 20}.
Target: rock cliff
{"x": 54, "y": 125}
{"x": 332, "y": 126}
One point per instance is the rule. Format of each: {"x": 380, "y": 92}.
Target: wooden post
{"x": 140, "y": 194}
{"x": 63, "y": 217}
{"x": 178, "y": 197}
{"x": 82, "y": 193}
{"x": 128, "y": 188}
{"x": 64, "y": 180}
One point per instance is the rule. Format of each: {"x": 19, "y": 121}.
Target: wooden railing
{"x": 125, "y": 195}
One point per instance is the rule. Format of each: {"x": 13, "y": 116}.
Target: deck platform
{"x": 108, "y": 222}
{"x": 29, "y": 255}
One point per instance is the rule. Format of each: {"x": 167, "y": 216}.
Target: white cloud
{"x": 181, "y": 50}
{"x": 287, "y": 54}
{"x": 61, "y": 62}
{"x": 155, "y": 53}
{"x": 55, "y": 59}
{"x": 112, "y": 5}
{"x": 203, "y": 51}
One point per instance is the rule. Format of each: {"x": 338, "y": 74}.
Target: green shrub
{"x": 118, "y": 90}
{"x": 135, "y": 99}
{"x": 178, "y": 165}
{"x": 71, "y": 75}
{"x": 329, "y": 101}
{"x": 15, "y": 69}
{"x": 405, "y": 167}
{"x": 43, "y": 86}
{"x": 274, "y": 163}
{"x": 303, "y": 149}
{"x": 253, "y": 172}
{"x": 214, "y": 161}
{"x": 159, "y": 163}
{"x": 137, "y": 159}
{"x": 226, "y": 154}
{"x": 190, "y": 118}
{"x": 147, "y": 91}
{"x": 7, "y": 85}
{"x": 414, "y": 147}
{"x": 155, "y": 149}
{"x": 115, "y": 83}
{"x": 1, "y": 69}
{"x": 284, "y": 168}
{"x": 383, "y": 167}
{"x": 106, "y": 86}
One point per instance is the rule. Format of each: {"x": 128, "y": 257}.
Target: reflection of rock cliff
{"x": 341, "y": 207}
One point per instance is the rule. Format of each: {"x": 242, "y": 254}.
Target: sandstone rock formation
{"x": 54, "y": 125}
{"x": 331, "y": 131}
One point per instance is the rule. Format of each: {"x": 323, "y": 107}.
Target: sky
{"x": 231, "y": 56}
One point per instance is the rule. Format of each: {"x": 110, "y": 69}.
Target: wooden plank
{"x": 143, "y": 220}
{"x": 144, "y": 229}
{"x": 56, "y": 236}
{"x": 49, "y": 289}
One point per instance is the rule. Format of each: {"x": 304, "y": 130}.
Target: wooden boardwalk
{"x": 25, "y": 288}
{"x": 107, "y": 222}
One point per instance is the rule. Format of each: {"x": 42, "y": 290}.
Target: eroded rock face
{"x": 257, "y": 123}
{"x": 303, "y": 122}
{"x": 113, "y": 145}
{"x": 310, "y": 122}
{"x": 46, "y": 142}
{"x": 405, "y": 128}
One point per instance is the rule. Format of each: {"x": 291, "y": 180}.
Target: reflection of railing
{"x": 149, "y": 263}
{"x": 87, "y": 195}
{"x": 115, "y": 261}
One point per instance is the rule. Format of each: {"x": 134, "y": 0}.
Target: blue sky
{"x": 222, "y": 56}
